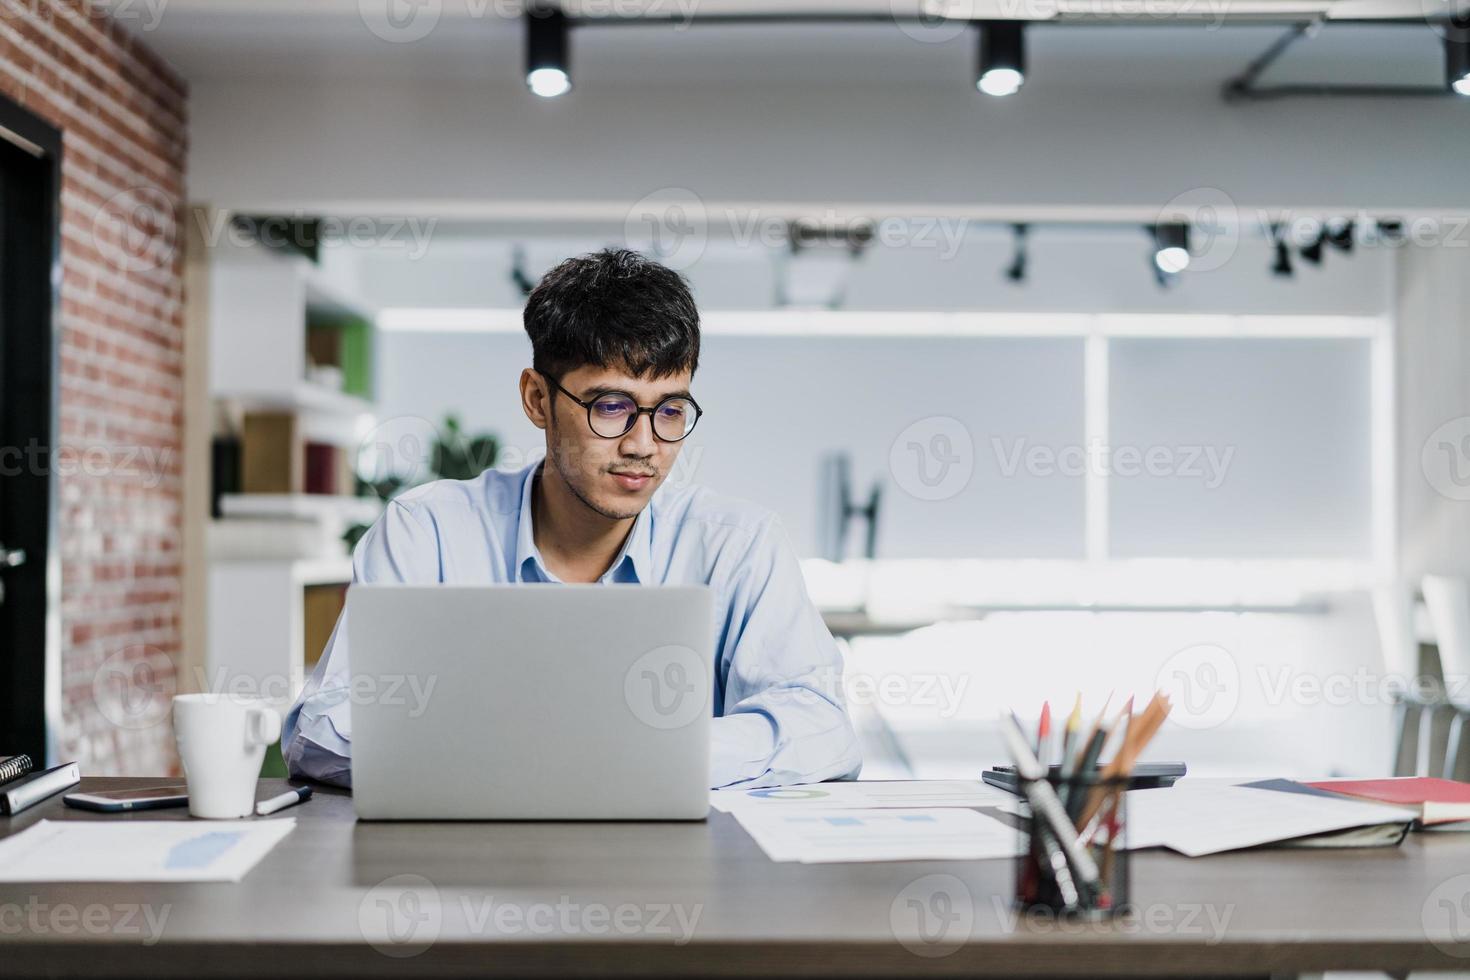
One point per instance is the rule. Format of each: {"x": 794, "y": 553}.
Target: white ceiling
{"x": 482, "y": 39}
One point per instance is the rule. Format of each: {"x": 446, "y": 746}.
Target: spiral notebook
{"x": 14, "y": 766}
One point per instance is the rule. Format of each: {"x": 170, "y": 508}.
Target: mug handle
{"x": 262, "y": 726}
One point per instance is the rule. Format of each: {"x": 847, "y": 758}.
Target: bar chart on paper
{"x": 906, "y": 793}
{"x": 825, "y": 836}
{"x": 162, "y": 850}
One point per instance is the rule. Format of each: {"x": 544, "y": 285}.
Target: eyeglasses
{"x": 613, "y": 414}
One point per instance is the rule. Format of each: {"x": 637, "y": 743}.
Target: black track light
{"x": 1312, "y": 251}
{"x": 1016, "y": 271}
{"x": 1171, "y": 248}
{"x": 1457, "y": 60}
{"x": 1002, "y": 69}
{"x": 1282, "y": 266}
{"x": 548, "y": 64}
{"x": 1339, "y": 235}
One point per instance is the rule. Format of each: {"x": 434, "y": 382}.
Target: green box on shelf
{"x": 347, "y": 343}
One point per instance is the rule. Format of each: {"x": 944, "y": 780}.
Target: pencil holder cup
{"x": 1073, "y": 855}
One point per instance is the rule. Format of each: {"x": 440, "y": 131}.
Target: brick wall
{"x": 122, "y": 113}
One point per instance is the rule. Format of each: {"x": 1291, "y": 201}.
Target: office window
{"x": 1246, "y": 439}
{"x": 1240, "y": 448}
{"x": 944, "y": 423}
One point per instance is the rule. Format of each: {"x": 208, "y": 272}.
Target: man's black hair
{"x": 613, "y": 309}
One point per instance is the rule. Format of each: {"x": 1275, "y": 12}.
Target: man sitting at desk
{"x": 615, "y": 342}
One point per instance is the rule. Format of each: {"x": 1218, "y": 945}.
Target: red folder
{"x": 1436, "y": 800}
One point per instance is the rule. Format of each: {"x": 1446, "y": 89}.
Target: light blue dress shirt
{"x": 778, "y": 705}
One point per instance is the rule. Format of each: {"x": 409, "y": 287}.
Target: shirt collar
{"x": 633, "y": 564}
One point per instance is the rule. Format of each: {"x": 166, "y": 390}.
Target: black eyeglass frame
{"x": 638, "y": 410}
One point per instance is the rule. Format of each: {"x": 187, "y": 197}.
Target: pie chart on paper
{"x": 789, "y": 794}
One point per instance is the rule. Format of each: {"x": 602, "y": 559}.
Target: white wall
{"x": 1433, "y": 359}
{"x": 467, "y": 147}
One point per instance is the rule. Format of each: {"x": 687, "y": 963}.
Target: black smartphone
{"x": 122, "y": 800}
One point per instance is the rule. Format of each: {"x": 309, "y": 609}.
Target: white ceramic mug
{"x": 222, "y": 742}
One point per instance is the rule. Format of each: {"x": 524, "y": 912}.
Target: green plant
{"x": 455, "y": 455}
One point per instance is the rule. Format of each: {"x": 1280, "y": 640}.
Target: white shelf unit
{"x": 260, "y": 302}
{"x": 301, "y": 506}
{"x": 257, "y": 623}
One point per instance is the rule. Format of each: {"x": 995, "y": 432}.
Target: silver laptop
{"x": 530, "y": 702}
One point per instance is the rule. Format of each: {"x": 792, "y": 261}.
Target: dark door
{"x": 29, "y": 201}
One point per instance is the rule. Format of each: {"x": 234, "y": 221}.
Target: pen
{"x": 297, "y": 794}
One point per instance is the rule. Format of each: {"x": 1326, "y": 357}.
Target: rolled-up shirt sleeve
{"x": 784, "y": 718}
{"x": 316, "y": 739}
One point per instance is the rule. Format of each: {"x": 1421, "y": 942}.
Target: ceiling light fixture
{"x": 1457, "y": 61}
{"x": 1282, "y": 266}
{"x": 1171, "y": 248}
{"x": 1002, "y": 68}
{"x": 1016, "y": 271}
{"x": 548, "y": 65}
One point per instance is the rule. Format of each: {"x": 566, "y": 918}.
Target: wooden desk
{"x": 606, "y": 899}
